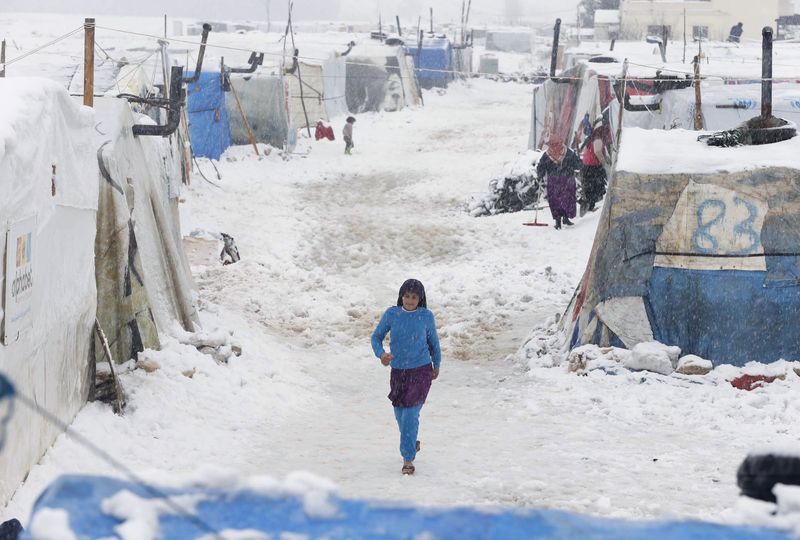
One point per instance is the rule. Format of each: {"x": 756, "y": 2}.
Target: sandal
{"x": 408, "y": 469}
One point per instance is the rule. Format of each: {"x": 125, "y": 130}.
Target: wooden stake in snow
{"x": 250, "y": 134}
{"x": 88, "y": 62}
{"x": 698, "y": 101}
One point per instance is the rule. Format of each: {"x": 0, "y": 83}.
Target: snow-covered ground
{"x": 326, "y": 239}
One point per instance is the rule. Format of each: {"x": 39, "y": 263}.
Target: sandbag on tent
{"x": 433, "y": 62}
{"x": 209, "y": 126}
{"x": 300, "y": 507}
{"x": 263, "y": 100}
{"x": 48, "y": 207}
{"x": 143, "y": 279}
{"x": 699, "y": 249}
{"x": 381, "y": 82}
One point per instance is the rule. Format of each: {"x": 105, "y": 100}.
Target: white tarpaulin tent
{"x": 143, "y": 277}
{"x": 48, "y": 178}
{"x": 323, "y": 91}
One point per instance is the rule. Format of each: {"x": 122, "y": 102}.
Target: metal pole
{"x": 554, "y": 54}
{"x": 88, "y": 62}
{"x": 622, "y": 102}
{"x": 766, "y": 72}
{"x": 399, "y": 30}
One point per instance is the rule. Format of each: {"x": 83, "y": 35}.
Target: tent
{"x": 725, "y": 106}
{"x": 302, "y": 507}
{"x": 324, "y": 86}
{"x": 698, "y": 249}
{"x": 144, "y": 284}
{"x": 265, "y": 105}
{"x": 208, "y": 116}
{"x": 48, "y": 207}
{"x": 433, "y": 62}
{"x": 381, "y": 80}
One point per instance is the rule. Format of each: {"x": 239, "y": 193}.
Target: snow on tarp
{"x": 433, "y": 62}
{"x": 48, "y": 200}
{"x": 208, "y": 116}
{"x": 264, "y": 102}
{"x": 143, "y": 277}
{"x": 305, "y": 507}
{"x": 707, "y": 239}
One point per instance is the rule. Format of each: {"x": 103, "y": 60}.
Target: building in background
{"x": 706, "y": 19}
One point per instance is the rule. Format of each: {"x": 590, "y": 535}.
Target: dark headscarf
{"x": 412, "y": 286}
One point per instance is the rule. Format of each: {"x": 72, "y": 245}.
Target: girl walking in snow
{"x": 347, "y": 133}
{"x": 559, "y": 164}
{"x": 415, "y": 357}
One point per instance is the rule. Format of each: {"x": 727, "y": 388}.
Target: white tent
{"x": 48, "y": 204}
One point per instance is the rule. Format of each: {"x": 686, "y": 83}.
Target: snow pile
{"x": 652, "y": 356}
{"x": 51, "y": 524}
{"x": 515, "y": 189}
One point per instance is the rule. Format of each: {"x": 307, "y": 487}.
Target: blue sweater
{"x": 414, "y": 342}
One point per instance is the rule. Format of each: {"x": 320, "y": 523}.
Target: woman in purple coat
{"x": 559, "y": 164}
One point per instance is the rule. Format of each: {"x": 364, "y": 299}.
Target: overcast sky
{"x": 444, "y": 10}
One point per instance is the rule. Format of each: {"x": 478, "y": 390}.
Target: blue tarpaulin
{"x": 209, "y": 128}
{"x": 82, "y": 497}
{"x": 433, "y": 62}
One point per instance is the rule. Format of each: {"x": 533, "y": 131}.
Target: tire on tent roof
{"x": 759, "y": 473}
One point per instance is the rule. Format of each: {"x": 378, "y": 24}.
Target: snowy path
{"x": 326, "y": 241}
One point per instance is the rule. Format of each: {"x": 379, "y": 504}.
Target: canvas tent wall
{"x": 699, "y": 249}
{"x": 209, "y": 126}
{"x": 144, "y": 282}
{"x": 381, "y": 82}
{"x": 433, "y": 62}
{"x": 571, "y": 105}
{"x": 324, "y": 90}
{"x": 48, "y": 205}
{"x": 725, "y": 106}
{"x": 264, "y": 102}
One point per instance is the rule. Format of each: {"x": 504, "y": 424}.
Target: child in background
{"x": 347, "y": 132}
{"x": 415, "y": 360}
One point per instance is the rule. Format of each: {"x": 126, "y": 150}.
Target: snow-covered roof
{"x": 678, "y": 151}
{"x": 606, "y": 16}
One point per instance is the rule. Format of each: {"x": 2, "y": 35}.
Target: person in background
{"x": 415, "y": 360}
{"x": 593, "y": 173}
{"x": 558, "y": 164}
{"x": 735, "y": 35}
{"x": 347, "y": 132}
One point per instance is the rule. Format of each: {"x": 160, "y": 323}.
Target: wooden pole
{"x": 165, "y": 25}
{"x": 431, "y": 20}
{"x": 698, "y": 102}
{"x": 684, "y": 35}
{"x": 622, "y": 101}
{"x": 3, "y": 58}
{"x": 399, "y": 30}
{"x": 250, "y": 134}
{"x": 88, "y": 62}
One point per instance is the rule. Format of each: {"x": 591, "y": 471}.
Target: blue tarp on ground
{"x": 82, "y": 496}
{"x": 209, "y": 128}
{"x": 434, "y": 62}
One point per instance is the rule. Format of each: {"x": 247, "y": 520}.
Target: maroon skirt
{"x": 409, "y": 387}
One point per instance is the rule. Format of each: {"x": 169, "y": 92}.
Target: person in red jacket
{"x": 593, "y": 172}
